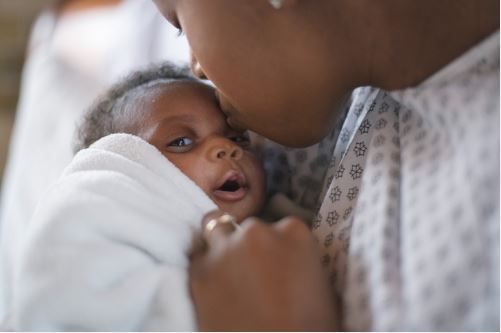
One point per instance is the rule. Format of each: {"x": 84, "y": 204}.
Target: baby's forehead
{"x": 173, "y": 87}
{"x": 165, "y": 98}
{"x": 180, "y": 89}
{"x": 168, "y": 93}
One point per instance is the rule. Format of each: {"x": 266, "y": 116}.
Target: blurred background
{"x": 16, "y": 18}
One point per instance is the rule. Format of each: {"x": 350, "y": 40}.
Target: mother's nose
{"x": 222, "y": 148}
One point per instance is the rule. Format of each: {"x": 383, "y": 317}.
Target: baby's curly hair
{"x": 108, "y": 113}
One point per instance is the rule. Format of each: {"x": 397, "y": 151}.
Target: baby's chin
{"x": 239, "y": 210}
{"x": 239, "y": 214}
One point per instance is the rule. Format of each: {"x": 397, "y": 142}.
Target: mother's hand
{"x": 261, "y": 277}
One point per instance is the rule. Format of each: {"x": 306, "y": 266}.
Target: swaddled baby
{"x": 107, "y": 248}
{"x": 180, "y": 116}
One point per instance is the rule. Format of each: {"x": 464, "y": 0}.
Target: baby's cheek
{"x": 259, "y": 171}
{"x": 258, "y": 181}
{"x": 195, "y": 170}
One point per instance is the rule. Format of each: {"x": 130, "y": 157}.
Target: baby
{"x": 181, "y": 117}
{"x": 107, "y": 248}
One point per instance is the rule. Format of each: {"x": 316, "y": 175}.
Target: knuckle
{"x": 253, "y": 226}
{"x": 295, "y": 228}
{"x": 255, "y": 231}
{"x": 211, "y": 215}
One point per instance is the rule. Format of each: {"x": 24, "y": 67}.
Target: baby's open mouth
{"x": 233, "y": 187}
{"x": 230, "y": 186}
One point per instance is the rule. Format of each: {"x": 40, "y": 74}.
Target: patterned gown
{"x": 406, "y": 191}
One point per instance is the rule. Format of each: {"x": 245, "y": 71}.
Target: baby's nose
{"x": 223, "y": 148}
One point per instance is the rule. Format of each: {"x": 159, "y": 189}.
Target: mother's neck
{"x": 417, "y": 38}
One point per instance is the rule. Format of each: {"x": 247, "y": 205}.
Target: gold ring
{"x": 223, "y": 219}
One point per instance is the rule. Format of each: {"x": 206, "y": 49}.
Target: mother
{"x": 409, "y": 215}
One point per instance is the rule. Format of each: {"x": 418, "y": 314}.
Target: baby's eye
{"x": 181, "y": 144}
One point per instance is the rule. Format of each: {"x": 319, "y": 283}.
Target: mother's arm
{"x": 262, "y": 277}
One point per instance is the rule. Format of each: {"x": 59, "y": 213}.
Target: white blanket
{"x": 107, "y": 247}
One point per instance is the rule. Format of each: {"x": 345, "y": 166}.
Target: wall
{"x": 16, "y": 17}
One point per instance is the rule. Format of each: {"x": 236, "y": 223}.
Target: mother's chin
{"x": 287, "y": 123}
{"x": 295, "y": 134}
{"x": 296, "y": 127}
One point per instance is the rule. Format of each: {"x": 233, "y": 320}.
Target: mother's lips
{"x": 229, "y": 110}
{"x": 235, "y": 125}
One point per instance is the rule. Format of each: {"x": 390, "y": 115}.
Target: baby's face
{"x": 184, "y": 122}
